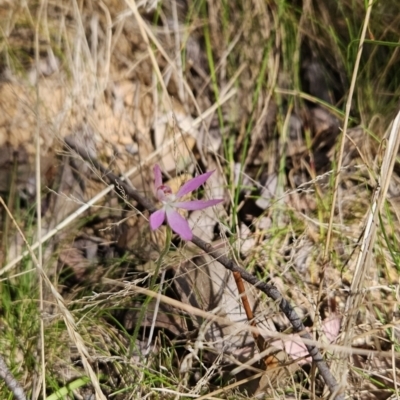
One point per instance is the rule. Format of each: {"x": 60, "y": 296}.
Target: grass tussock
{"x": 258, "y": 92}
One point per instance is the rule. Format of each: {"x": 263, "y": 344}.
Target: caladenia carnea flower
{"x": 171, "y": 203}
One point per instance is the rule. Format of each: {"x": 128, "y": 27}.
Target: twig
{"x": 10, "y": 381}
{"x": 270, "y": 290}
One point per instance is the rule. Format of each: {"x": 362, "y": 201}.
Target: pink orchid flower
{"x": 171, "y": 203}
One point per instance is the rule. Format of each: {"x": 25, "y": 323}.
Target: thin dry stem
{"x": 38, "y": 198}
{"x": 144, "y": 32}
{"x": 393, "y": 344}
{"x": 177, "y": 43}
{"x": 148, "y": 35}
{"x": 128, "y": 287}
{"x": 106, "y": 71}
{"x": 344, "y": 133}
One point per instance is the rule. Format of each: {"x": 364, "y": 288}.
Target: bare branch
{"x": 270, "y": 290}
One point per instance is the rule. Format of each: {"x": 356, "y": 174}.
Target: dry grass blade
{"x": 146, "y": 35}
{"x": 364, "y": 260}
{"x": 130, "y": 287}
{"x": 38, "y": 201}
{"x": 344, "y": 133}
{"x": 68, "y": 318}
{"x": 143, "y": 32}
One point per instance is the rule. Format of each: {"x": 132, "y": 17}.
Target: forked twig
{"x": 270, "y": 290}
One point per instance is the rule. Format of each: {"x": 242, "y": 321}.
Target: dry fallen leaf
{"x": 205, "y": 284}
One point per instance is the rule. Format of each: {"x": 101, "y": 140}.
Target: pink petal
{"x": 297, "y": 349}
{"x": 331, "y": 327}
{"x": 193, "y": 184}
{"x": 157, "y": 218}
{"x": 179, "y": 224}
{"x": 157, "y": 176}
{"x": 196, "y": 204}
{"x": 294, "y": 347}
